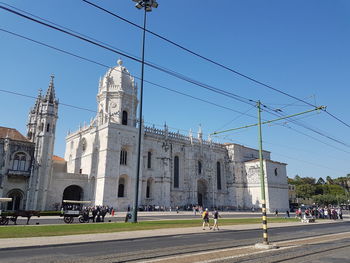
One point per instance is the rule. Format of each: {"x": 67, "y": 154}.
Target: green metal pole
{"x": 262, "y": 179}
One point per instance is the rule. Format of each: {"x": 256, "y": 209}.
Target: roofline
{"x": 257, "y": 160}
{"x": 229, "y": 144}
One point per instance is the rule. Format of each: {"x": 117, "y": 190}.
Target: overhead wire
{"x": 157, "y": 84}
{"x": 61, "y": 103}
{"x": 276, "y": 152}
{"x": 234, "y": 119}
{"x": 225, "y": 93}
{"x": 211, "y": 60}
{"x": 134, "y": 58}
{"x": 106, "y": 66}
{"x": 309, "y": 128}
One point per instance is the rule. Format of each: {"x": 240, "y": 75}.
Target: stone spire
{"x": 200, "y": 133}
{"x": 50, "y": 95}
{"x": 37, "y": 102}
{"x": 191, "y": 136}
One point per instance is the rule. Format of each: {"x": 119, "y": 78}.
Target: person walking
{"x": 216, "y": 218}
{"x": 205, "y": 217}
{"x": 287, "y": 214}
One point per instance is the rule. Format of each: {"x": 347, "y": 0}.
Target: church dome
{"x": 118, "y": 78}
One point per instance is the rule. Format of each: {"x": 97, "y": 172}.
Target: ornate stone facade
{"x": 177, "y": 170}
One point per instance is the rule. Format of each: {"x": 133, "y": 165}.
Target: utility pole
{"x": 261, "y": 160}
{"x": 262, "y": 179}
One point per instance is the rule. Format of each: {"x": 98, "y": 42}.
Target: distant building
{"x": 177, "y": 170}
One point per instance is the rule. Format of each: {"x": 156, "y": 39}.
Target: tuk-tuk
{"x": 73, "y": 208}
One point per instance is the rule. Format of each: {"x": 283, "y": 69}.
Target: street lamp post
{"x": 147, "y": 6}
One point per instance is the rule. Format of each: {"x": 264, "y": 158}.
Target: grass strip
{"x": 91, "y": 228}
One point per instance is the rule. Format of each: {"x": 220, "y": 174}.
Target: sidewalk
{"x": 170, "y": 213}
{"x": 8, "y": 243}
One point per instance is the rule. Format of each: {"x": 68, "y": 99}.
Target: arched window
{"x": 29, "y": 136}
{"x": 48, "y": 127}
{"x": 276, "y": 172}
{"x": 41, "y": 126}
{"x": 149, "y": 160}
{"x": 199, "y": 167}
{"x": 148, "y": 189}
{"x": 121, "y": 187}
{"x": 123, "y": 157}
{"x": 218, "y": 175}
{"x": 125, "y": 118}
{"x": 176, "y": 172}
{"x": 16, "y": 202}
{"x": 100, "y": 116}
{"x": 19, "y": 162}
{"x": 83, "y": 144}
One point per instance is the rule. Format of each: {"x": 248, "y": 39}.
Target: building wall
{"x": 12, "y": 179}
{"x": 93, "y": 159}
{"x": 277, "y": 184}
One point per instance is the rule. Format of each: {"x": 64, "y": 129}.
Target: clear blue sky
{"x": 300, "y": 47}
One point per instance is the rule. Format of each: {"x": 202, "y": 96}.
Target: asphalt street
{"x": 327, "y": 252}
{"x": 143, "y": 249}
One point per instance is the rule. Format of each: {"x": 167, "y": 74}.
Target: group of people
{"x": 97, "y": 213}
{"x": 205, "y": 217}
{"x": 322, "y": 212}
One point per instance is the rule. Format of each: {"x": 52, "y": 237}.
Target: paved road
{"x": 329, "y": 252}
{"x": 144, "y": 249}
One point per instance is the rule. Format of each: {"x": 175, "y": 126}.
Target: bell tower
{"x": 117, "y": 97}
{"x": 41, "y": 130}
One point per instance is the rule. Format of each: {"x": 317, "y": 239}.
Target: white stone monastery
{"x": 100, "y": 161}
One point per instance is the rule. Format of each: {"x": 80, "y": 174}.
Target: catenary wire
{"x": 297, "y": 159}
{"x": 134, "y": 58}
{"x": 222, "y": 92}
{"x": 152, "y": 83}
{"x": 212, "y": 61}
{"x": 32, "y": 97}
{"x": 279, "y": 114}
{"x": 106, "y": 66}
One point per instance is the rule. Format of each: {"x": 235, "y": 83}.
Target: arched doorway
{"x": 16, "y": 203}
{"x": 202, "y": 192}
{"x": 73, "y": 192}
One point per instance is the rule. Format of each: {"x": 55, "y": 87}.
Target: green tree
{"x": 329, "y": 180}
{"x": 305, "y": 190}
{"x": 343, "y": 182}
{"x": 329, "y": 199}
{"x": 333, "y": 189}
{"x": 319, "y": 189}
{"x": 320, "y": 181}
{"x": 291, "y": 181}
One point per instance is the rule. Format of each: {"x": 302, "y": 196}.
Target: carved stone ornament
{"x": 126, "y": 141}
